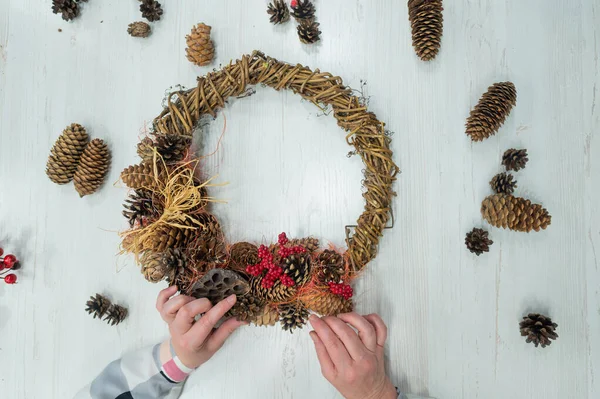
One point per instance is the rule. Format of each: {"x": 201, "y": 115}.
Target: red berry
{"x": 10, "y": 278}
{"x": 1, "y": 251}
{"x": 294, "y": 3}
{"x": 9, "y": 261}
{"x": 282, "y": 239}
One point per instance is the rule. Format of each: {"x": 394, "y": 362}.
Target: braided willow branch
{"x": 365, "y": 132}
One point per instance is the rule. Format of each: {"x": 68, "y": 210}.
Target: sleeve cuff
{"x": 175, "y": 371}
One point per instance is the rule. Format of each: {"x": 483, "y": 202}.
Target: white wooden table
{"x": 453, "y": 317}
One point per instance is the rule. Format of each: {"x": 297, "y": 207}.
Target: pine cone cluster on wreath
{"x": 426, "y": 20}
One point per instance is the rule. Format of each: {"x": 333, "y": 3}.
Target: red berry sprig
{"x": 8, "y": 263}
{"x": 341, "y": 289}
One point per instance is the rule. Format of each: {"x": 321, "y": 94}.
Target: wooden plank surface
{"x": 453, "y": 317}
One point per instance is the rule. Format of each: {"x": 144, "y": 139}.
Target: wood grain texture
{"x": 452, "y": 317}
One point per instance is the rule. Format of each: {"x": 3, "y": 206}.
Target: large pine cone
{"x": 292, "y": 316}
{"x": 491, "y": 111}
{"x": 514, "y": 159}
{"x": 515, "y": 213}
{"x": 279, "y": 12}
{"x": 503, "y": 183}
{"x": 92, "y": 168}
{"x": 427, "y": 24}
{"x": 275, "y": 294}
{"x": 477, "y": 241}
{"x": 327, "y": 304}
{"x": 200, "y": 49}
{"x": 308, "y": 32}
{"x": 538, "y": 329}
{"x": 151, "y": 10}
{"x": 167, "y": 236}
{"x": 154, "y": 269}
{"x": 243, "y": 254}
{"x": 66, "y": 154}
{"x": 297, "y": 267}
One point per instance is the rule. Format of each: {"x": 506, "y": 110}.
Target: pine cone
{"x": 243, "y": 254}
{"x": 491, "y": 111}
{"x": 538, "y": 329}
{"x": 292, "y": 316}
{"x": 218, "y": 284}
{"x": 92, "y": 168}
{"x": 515, "y": 159}
{"x": 311, "y": 244}
{"x": 139, "y": 29}
{"x": 141, "y": 208}
{"x": 141, "y": 176}
{"x": 151, "y": 10}
{"x": 247, "y": 308}
{"x": 330, "y": 266}
{"x": 308, "y": 32}
{"x": 210, "y": 248}
{"x": 269, "y": 317}
{"x": 68, "y": 8}
{"x": 303, "y": 10}
{"x": 477, "y": 241}
{"x": 298, "y": 268}
{"x": 427, "y": 24}
{"x": 97, "y": 306}
{"x": 279, "y": 12}
{"x": 167, "y": 236}
{"x": 154, "y": 269}
{"x": 200, "y": 49}
{"x": 66, "y": 154}
{"x": 503, "y": 183}
{"x": 327, "y": 304}
{"x": 172, "y": 147}
{"x": 277, "y": 293}
{"x": 115, "y": 314}
{"x": 515, "y": 213}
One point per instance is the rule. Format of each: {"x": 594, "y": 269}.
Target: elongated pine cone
{"x": 427, "y": 24}
{"x": 97, "y": 306}
{"x": 515, "y": 213}
{"x": 303, "y": 10}
{"x": 538, "y": 329}
{"x": 268, "y": 317}
{"x": 308, "y": 32}
{"x": 514, "y": 159}
{"x": 279, "y": 12}
{"x": 477, "y": 241}
{"x": 151, "y": 10}
{"x": 503, "y": 183}
{"x": 66, "y": 154}
{"x": 153, "y": 268}
{"x": 327, "y": 304}
{"x": 140, "y": 176}
{"x": 92, "y": 169}
{"x": 69, "y": 9}
{"x": 491, "y": 111}
{"x": 200, "y": 49}
{"x": 115, "y": 314}
{"x": 277, "y": 293}
{"x": 139, "y": 29}
{"x": 243, "y": 254}
{"x": 292, "y": 316}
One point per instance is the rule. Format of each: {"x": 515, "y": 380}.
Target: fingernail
{"x": 231, "y": 299}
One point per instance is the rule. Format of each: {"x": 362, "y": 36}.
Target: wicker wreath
{"x": 175, "y": 238}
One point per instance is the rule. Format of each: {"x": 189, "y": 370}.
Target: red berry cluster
{"x": 341, "y": 289}
{"x": 274, "y": 271}
{"x": 8, "y": 263}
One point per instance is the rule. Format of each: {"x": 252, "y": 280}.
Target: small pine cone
{"x": 141, "y": 176}
{"x": 69, "y": 9}
{"x": 427, "y": 24}
{"x": 115, "y": 314}
{"x": 515, "y": 159}
{"x": 477, "y": 241}
{"x": 200, "y": 49}
{"x": 277, "y": 293}
{"x": 154, "y": 269}
{"x": 308, "y": 32}
{"x": 175, "y": 261}
{"x": 172, "y": 147}
{"x": 491, "y": 111}
{"x": 327, "y": 304}
{"x": 268, "y": 317}
{"x": 303, "y": 10}
{"x": 145, "y": 150}
{"x": 330, "y": 266}
{"x": 311, "y": 244}
{"x": 93, "y": 168}
{"x": 298, "y": 268}
{"x": 279, "y": 12}
{"x": 139, "y": 29}
{"x": 243, "y": 254}
{"x": 141, "y": 208}
{"x": 151, "y": 10}
{"x": 292, "y": 316}
{"x": 515, "y": 213}
{"x": 97, "y": 306}
{"x": 503, "y": 183}
{"x": 538, "y": 329}
{"x": 66, "y": 154}
{"x": 247, "y": 308}
{"x": 210, "y": 248}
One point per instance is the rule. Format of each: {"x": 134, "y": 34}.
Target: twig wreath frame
{"x": 177, "y": 239}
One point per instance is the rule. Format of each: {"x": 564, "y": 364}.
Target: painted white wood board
{"x": 453, "y": 317}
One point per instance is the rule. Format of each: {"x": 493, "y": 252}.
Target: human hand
{"x": 353, "y": 363}
{"x": 195, "y": 341}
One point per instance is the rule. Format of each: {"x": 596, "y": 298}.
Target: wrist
{"x": 171, "y": 366}
{"x": 389, "y": 391}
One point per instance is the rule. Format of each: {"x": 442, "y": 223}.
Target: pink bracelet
{"x": 175, "y": 371}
